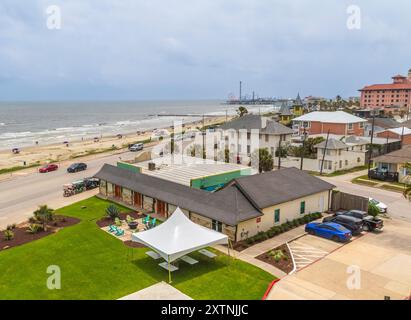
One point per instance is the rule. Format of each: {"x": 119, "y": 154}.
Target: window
{"x": 267, "y": 137}
{"x": 340, "y": 164}
{"x": 217, "y": 226}
{"x": 346, "y": 162}
{"x": 358, "y": 159}
{"x": 362, "y": 124}
{"x": 302, "y": 207}
{"x": 248, "y": 149}
{"x": 350, "y": 126}
{"x": 276, "y": 215}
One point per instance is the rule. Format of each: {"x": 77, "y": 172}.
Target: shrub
{"x": 8, "y": 235}
{"x": 112, "y": 212}
{"x": 129, "y": 219}
{"x": 34, "y": 228}
{"x": 117, "y": 221}
{"x": 277, "y": 255}
{"x": 373, "y": 210}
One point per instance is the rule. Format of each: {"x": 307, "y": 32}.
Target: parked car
{"x": 48, "y": 168}
{"x": 369, "y": 222}
{"x": 136, "y": 147}
{"x": 76, "y": 167}
{"x": 382, "y": 206}
{"x": 353, "y": 224}
{"x": 329, "y": 230}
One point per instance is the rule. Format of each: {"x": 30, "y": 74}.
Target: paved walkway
{"x": 158, "y": 291}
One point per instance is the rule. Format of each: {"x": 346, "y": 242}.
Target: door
{"x": 161, "y": 208}
{"x": 137, "y": 200}
{"x": 117, "y": 191}
{"x": 321, "y": 203}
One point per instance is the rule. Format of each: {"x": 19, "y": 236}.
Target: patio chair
{"x": 119, "y": 232}
{"x": 112, "y": 228}
{"x": 153, "y": 222}
{"x": 146, "y": 219}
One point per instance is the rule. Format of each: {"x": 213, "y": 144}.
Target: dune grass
{"x": 96, "y": 265}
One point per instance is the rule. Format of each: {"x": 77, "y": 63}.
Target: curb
{"x": 270, "y": 286}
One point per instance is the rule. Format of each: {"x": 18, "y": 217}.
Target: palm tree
{"x": 265, "y": 160}
{"x": 241, "y": 111}
{"x": 44, "y": 214}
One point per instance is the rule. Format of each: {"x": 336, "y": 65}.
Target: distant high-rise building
{"x": 396, "y": 94}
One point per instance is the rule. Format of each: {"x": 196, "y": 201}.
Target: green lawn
{"x": 95, "y": 265}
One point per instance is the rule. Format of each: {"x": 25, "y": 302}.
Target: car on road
{"x": 76, "y": 167}
{"x": 329, "y": 230}
{"x": 48, "y": 168}
{"x": 353, "y": 224}
{"x": 136, "y": 147}
{"x": 382, "y": 206}
{"x": 369, "y": 222}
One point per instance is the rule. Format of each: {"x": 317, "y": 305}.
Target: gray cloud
{"x": 199, "y": 49}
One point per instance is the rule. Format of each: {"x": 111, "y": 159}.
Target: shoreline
{"x": 34, "y": 156}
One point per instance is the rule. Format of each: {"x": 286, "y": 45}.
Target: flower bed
{"x": 276, "y": 230}
{"x": 106, "y": 221}
{"x": 21, "y": 234}
{"x": 279, "y": 257}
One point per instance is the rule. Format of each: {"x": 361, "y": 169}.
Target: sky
{"x": 199, "y": 49}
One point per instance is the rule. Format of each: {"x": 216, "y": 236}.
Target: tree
{"x": 44, "y": 214}
{"x": 265, "y": 160}
{"x": 241, "y": 111}
{"x": 373, "y": 210}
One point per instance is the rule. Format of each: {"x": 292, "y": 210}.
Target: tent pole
{"x": 169, "y": 272}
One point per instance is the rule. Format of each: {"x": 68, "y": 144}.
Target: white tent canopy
{"x": 178, "y": 236}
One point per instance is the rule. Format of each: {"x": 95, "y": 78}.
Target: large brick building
{"x": 393, "y": 94}
{"x": 337, "y": 122}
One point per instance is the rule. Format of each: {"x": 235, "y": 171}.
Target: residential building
{"x": 337, "y": 122}
{"x": 287, "y": 112}
{"x": 401, "y": 133}
{"x": 339, "y": 155}
{"x": 397, "y": 93}
{"x": 380, "y": 124}
{"x": 241, "y": 209}
{"x": 238, "y": 135}
{"x": 391, "y": 166}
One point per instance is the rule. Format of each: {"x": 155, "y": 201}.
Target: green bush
{"x": 8, "y": 235}
{"x": 34, "y": 228}
{"x": 112, "y": 212}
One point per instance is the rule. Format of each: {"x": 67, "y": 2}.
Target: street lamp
{"x": 303, "y": 138}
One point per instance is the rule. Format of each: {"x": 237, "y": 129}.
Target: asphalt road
{"x": 21, "y": 193}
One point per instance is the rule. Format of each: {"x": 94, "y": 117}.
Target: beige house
{"x": 246, "y": 134}
{"x": 392, "y": 166}
{"x": 241, "y": 209}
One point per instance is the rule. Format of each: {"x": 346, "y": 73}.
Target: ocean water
{"x": 24, "y": 123}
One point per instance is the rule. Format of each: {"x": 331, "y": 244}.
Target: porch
{"x": 383, "y": 175}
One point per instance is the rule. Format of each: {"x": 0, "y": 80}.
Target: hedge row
{"x": 272, "y": 232}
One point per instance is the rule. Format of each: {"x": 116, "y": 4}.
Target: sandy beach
{"x": 42, "y": 154}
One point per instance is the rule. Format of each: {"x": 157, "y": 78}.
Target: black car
{"x": 76, "y": 167}
{"x": 353, "y": 224}
{"x": 369, "y": 222}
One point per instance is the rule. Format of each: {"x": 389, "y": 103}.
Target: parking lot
{"x": 381, "y": 261}
{"x": 309, "y": 249}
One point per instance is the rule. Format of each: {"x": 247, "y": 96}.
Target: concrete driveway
{"x": 380, "y": 261}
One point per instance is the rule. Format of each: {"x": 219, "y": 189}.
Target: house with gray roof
{"x": 245, "y": 134}
{"x": 242, "y": 208}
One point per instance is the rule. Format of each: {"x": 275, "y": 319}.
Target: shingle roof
{"x": 399, "y": 156}
{"x": 275, "y": 187}
{"x": 228, "y": 206}
{"x": 332, "y": 144}
{"x": 253, "y": 121}
{"x": 330, "y": 117}
{"x": 385, "y": 123}
{"x": 285, "y": 109}
{"x": 406, "y": 124}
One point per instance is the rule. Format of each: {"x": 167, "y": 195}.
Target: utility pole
{"x": 241, "y": 84}
{"x": 371, "y": 144}
{"x": 204, "y": 133}
{"x": 279, "y": 153}
{"x": 325, "y": 150}
{"x": 303, "y": 149}
{"x": 402, "y": 132}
